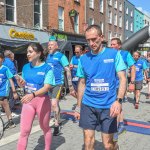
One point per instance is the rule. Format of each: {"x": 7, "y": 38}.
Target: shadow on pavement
{"x": 131, "y": 100}
{"x": 98, "y": 146}
{"x": 56, "y": 142}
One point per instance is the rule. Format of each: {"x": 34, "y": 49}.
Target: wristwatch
{"x": 119, "y": 100}
{"x": 132, "y": 82}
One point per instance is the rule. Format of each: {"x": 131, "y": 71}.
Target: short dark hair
{"x": 79, "y": 46}
{"x": 94, "y": 26}
{"x": 2, "y": 55}
{"x": 38, "y": 48}
{"x": 138, "y": 53}
{"x": 117, "y": 39}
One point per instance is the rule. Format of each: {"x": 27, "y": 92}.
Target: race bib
{"x": 75, "y": 79}
{"x": 99, "y": 85}
{"x": 29, "y": 88}
{"x": 137, "y": 69}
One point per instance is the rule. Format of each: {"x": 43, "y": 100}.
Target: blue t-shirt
{"x": 10, "y": 64}
{"x": 74, "y": 61}
{"x": 100, "y": 73}
{"x": 5, "y": 75}
{"x": 36, "y": 76}
{"x": 140, "y": 66}
{"x": 128, "y": 60}
{"x": 57, "y": 61}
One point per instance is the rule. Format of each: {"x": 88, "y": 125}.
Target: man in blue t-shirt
{"x": 10, "y": 64}
{"x": 129, "y": 62}
{"x": 59, "y": 63}
{"x": 98, "y": 103}
{"x": 74, "y": 65}
{"x": 140, "y": 68}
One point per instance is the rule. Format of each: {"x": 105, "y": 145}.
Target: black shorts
{"x": 138, "y": 85}
{"x": 97, "y": 119}
{"x": 55, "y": 91}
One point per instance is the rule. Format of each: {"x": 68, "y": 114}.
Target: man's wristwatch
{"x": 132, "y": 82}
{"x": 119, "y": 100}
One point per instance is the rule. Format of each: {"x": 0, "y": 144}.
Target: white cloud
{"x": 144, "y": 11}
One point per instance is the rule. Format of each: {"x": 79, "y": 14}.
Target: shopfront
{"x": 17, "y": 39}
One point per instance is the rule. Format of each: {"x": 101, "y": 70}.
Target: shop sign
{"x": 144, "y": 48}
{"x": 72, "y": 13}
{"x": 61, "y": 37}
{"x": 21, "y": 35}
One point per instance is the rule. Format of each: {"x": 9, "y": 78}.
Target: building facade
{"x": 114, "y": 19}
{"x": 128, "y": 19}
{"x": 138, "y": 20}
{"x": 95, "y": 13}
{"x": 67, "y": 15}
{"x": 146, "y": 20}
{"x": 25, "y": 13}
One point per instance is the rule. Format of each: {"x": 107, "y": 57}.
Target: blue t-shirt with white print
{"x": 57, "y": 61}
{"x": 5, "y": 75}
{"x": 140, "y": 66}
{"x": 128, "y": 60}
{"x": 36, "y": 76}
{"x": 74, "y": 61}
{"x": 100, "y": 73}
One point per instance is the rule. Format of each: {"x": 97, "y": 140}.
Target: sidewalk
{"x": 72, "y": 136}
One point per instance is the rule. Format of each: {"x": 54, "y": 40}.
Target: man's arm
{"x": 81, "y": 88}
{"x": 122, "y": 85}
{"x": 133, "y": 71}
{"x": 116, "y": 106}
{"x": 69, "y": 79}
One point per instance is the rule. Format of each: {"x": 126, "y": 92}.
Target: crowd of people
{"x": 99, "y": 79}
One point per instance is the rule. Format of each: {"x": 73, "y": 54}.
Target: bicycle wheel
{"x": 1, "y": 127}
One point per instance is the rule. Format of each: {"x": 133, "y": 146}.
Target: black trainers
{"x": 57, "y": 130}
{"x": 10, "y": 125}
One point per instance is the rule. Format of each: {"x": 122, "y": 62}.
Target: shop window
{"x": 37, "y": 13}
{"x": 11, "y": 10}
{"x": 61, "y": 18}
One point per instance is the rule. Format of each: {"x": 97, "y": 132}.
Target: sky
{"x": 142, "y": 5}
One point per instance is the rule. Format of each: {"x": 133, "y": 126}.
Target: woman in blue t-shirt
{"x": 38, "y": 78}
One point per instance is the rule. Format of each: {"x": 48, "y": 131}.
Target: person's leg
{"x": 5, "y": 105}
{"x": 148, "y": 94}
{"x": 89, "y": 139}
{"x": 108, "y": 142}
{"x": 56, "y": 110}
{"x": 27, "y": 117}
{"x": 137, "y": 95}
{"x": 43, "y": 112}
{"x": 108, "y": 128}
{"x": 56, "y": 91}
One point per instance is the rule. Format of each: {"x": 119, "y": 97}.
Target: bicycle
{"x": 1, "y": 127}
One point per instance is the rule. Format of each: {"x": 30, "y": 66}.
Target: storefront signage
{"x": 61, "y": 37}
{"x": 144, "y": 48}
{"x": 21, "y": 35}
